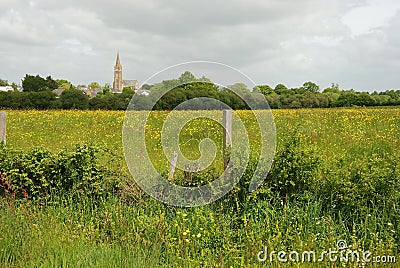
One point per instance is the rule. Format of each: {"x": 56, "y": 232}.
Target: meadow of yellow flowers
{"x": 358, "y": 150}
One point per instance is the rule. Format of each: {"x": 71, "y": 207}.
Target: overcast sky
{"x": 355, "y": 43}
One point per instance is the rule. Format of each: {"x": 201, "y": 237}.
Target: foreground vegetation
{"x": 335, "y": 177}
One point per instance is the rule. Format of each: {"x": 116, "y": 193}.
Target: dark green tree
{"x": 51, "y": 83}
{"x": 41, "y": 100}
{"x": 3, "y": 83}
{"x": 311, "y": 87}
{"x": 74, "y": 99}
{"x": 147, "y": 87}
{"x": 280, "y": 89}
{"x": 266, "y": 90}
{"x": 347, "y": 98}
{"x": 14, "y": 86}
{"x": 334, "y": 89}
{"x": 32, "y": 83}
{"x": 187, "y": 77}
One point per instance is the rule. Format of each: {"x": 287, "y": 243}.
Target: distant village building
{"x": 90, "y": 92}
{"x": 94, "y": 91}
{"x": 133, "y": 84}
{"x": 143, "y": 92}
{"x": 119, "y": 83}
{"x": 6, "y": 88}
{"x": 58, "y": 91}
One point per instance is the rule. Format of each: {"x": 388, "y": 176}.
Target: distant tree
{"x": 171, "y": 99}
{"x": 332, "y": 98}
{"x": 266, "y": 89}
{"x": 295, "y": 104}
{"x": 94, "y": 85}
{"x": 128, "y": 90}
{"x": 274, "y": 101}
{"x": 106, "y": 89}
{"x": 98, "y": 103}
{"x": 364, "y": 99}
{"x": 41, "y": 100}
{"x": 74, "y": 99}
{"x": 280, "y": 89}
{"x": 297, "y": 90}
{"x": 239, "y": 87}
{"x": 61, "y": 82}
{"x": 311, "y": 87}
{"x": 147, "y": 87}
{"x": 14, "y": 86}
{"x": 393, "y": 94}
{"x": 64, "y": 84}
{"x": 142, "y": 102}
{"x": 158, "y": 87}
{"x": 323, "y": 100}
{"x": 187, "y": 77}
{"x": 288, "y": 99}
{"x": 32, "y": 83}
{"x": 381, "y": 99}
{"x": 347, "y": 98}
{"x": 231, "y": 99}
{"x": 110, "y": 102}
{"x": 119, "y": 101}
{"x": 51, "y": 83}
{"x": 3, "y": 83}
{"x": 334, "y": 89}
{"x": 309, "y": 100}
{"x": 201, "y": 89}
{"x": 204, "y": 79}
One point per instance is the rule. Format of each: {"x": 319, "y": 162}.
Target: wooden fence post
{"x": 227, "y": 139}
{"x": 3, "y": 127}
{"x": 173, "y": 166}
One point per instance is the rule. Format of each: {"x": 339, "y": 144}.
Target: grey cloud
{"x": 272, "y": 41}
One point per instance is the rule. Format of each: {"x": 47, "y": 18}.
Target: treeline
{"x": 168, "y": 94}
{"x": 69, "y": 99}
{"x": 38, "y": 93}
{"x": 309, "y": 96}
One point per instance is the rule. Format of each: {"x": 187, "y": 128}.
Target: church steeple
{"x": 118, "y": 82}
{"x": 118, "y": 62}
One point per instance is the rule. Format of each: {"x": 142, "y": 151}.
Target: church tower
{"x": 118, "y": 82}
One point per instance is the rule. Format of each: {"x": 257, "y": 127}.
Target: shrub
{"x": 292, "y": 176}
{"x": 294, "y": 170}
{"x": 40, "y": 173}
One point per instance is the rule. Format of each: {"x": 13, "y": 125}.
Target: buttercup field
{"x": 335, "y": 177}
{"x": 240, "y": 133}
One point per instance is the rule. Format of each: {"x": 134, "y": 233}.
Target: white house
{"x": 6, "y": 89}
{"x": 142, "y": 92}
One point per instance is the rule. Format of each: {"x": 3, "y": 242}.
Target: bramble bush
{"x": 349, "y": 186}
{"x": 292, "y": 177}
{"x": 39, "y": 173}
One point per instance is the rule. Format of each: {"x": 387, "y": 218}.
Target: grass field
{"x": 351, "y": 196}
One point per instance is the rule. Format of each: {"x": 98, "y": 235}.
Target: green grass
{"x": 358, "y": 150}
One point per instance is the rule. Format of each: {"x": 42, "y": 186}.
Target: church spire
{"x": 118, "y": 62}
{"x": 118, "y": 82}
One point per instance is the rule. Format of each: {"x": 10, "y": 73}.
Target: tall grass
{"x": 350, "y": 193}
